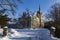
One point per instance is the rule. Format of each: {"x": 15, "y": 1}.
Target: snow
{"x": 1, "y": 31}
{"x": 53, "y": 27}
{"x": 28, "y": 34}
{"x": 4, "y": 38}
{"x": 55, "y": 38}
{"x": 14, "y": 33}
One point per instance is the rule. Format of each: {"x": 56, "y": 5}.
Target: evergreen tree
{"x": 3, "y": 19}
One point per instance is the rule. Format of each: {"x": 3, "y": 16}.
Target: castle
{"x": 34, "y": 20}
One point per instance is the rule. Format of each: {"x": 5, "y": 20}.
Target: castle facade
{"x": 32, "y": 20}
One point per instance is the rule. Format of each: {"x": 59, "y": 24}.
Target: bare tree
{"x": 54, "y": 14}
{"x": 10, "y": 5}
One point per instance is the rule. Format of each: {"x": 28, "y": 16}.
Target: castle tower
{"x": 41, "y": 17}
{"x": 34, "y": 21}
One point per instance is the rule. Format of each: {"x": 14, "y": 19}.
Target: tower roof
{"x": 39, "y": 10}
{"x": 39, "y": 7}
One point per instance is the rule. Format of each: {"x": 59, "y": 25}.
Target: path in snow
{"x": 28, "y": 34}
{"x": 33, "y": 34}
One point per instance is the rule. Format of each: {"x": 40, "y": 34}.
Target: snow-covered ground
{"x": 28, "y": 34}
{"x": 54, "y": 38}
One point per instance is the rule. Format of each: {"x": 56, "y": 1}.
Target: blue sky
{"x": 33, "y": 5}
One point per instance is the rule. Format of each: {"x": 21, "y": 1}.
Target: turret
{"x": 41, "y": 18}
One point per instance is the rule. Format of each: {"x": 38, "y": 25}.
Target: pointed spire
{"x": 39, "y": 10}
{"x": 39, "y": 7}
